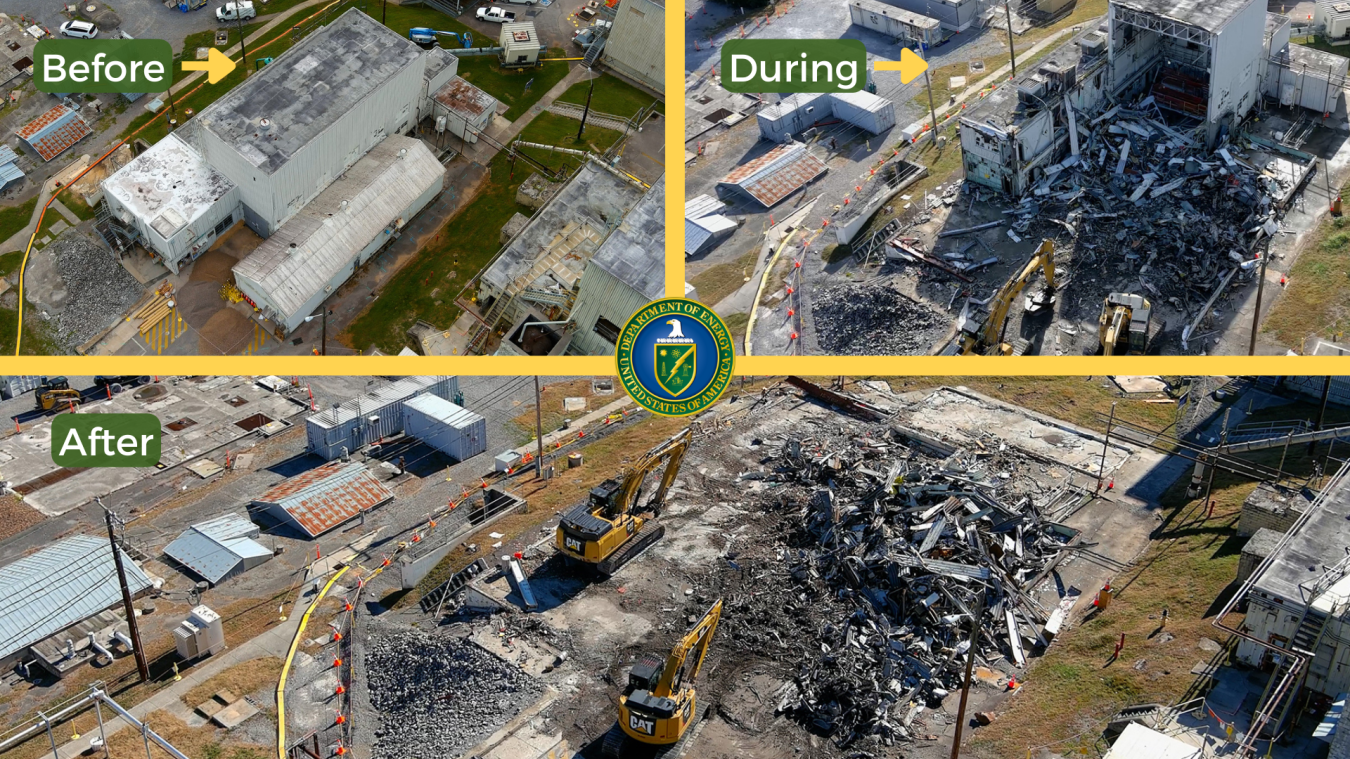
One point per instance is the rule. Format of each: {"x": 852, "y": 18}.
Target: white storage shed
{"x": 455, "y": 431}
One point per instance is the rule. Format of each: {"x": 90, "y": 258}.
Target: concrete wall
{"x": 601, "y": 295}
{"x": 1271, "y": 509}
{"x": 1234, "y": 75}
{"x": 190, "y": 241}
{"x": 637, "y": 43}
{"x": 275, "y": 198}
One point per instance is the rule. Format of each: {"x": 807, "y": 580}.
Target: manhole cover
{"x": 236, "y": 401}
{"x": 253, "y": 422}
{"x": 181, "y": 424}
{"x": 149, "y": 392}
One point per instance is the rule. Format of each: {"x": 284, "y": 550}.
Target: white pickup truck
{"x": 236, "y": 11}
{"x": 495, "y": 14}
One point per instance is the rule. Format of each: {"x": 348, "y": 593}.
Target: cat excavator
{"x": 605, "y": 531}
{"x": 1125, "y": 326}
{"x": 984, "y": 337}
{"x": 658, "y": 706}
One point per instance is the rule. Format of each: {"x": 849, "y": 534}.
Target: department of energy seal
{"x": 675, "y": 357}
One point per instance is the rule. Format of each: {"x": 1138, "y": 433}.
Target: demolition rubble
{"x": 888, "y": 556}
{"x": 873, "y": 318}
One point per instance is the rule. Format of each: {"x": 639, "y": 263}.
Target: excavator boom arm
{"x": 1044, "y": 258}
{"x": 673, "y": 450}
{"x": 697, "y": 641}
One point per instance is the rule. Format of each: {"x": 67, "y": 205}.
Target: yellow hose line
{"x": 286, "y": 667}
{"x": 759, "y": 292}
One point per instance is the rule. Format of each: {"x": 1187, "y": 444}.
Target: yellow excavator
{"x": 985, "y": 336}
{"x": 1125, "y": 325}
{"x": 658, "y": 706}
{"x": 57, "y": 398}
{"x": 605, "y": 532}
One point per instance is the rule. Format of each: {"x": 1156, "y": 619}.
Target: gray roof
{"x": 1319, "y": 62}
{"x": 1319, "y": 543}
{"x": 635, "y": 253}
{"x": 1210, "y": 15}
{"x": 213, "y": 549}
{"x": 443, "y": 411}
{"x": 64, "y": 583}
{"x": 308, "y": 88}
{"x": 170, "y": 185}
{"x": 380, "y": 397}
{"x": 324, "y": 238}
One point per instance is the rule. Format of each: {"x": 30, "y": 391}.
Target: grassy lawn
{"x": 508, "y": 85}
{"x": 15, "y": 218}
{"x": 612, "y": 95}
{"x": 551, "y": 414}
{"x": 35, "y": 341}
{"x": 401, "y": 19}
{"x": 467, "y": 243}
{"x": 9, "y": 262}
{"x": 720, "y": 280}
{"x": 1078, "y": 400}
{"x": 1317, "y": 300}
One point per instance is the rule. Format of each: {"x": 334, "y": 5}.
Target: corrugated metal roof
{"x": 7, "y": 154}
{"x": 635, "y": 253}
{"x": 327, "y": 496}
{"x": 212, "y": 549}
{"x": 50, "y": 590}
{"x": 777, "y": 174}
{"x": 8, "y": 173}
{"x": 443, "y": 411}
{"x": 701, "y": 206}
{"x": 399, "y": 390}
{"x": 54, "y": 131}
{"x": 306, "y": 253}
{"x": 698, "y": 231}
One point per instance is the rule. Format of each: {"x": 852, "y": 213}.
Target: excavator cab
{"x": 1125, "y": 326}
{"x": 604, "y": 499}
{"x": 982, "y": 330}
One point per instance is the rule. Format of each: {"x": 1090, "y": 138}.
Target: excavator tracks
{"x": 617, "y": 745}
{"x": 649, "y": 534}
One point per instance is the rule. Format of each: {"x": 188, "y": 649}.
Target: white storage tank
{"x": 455, "y": 431}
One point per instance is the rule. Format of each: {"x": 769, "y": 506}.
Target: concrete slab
{"x": 234, "y": 715}
{"x": 205, "y": 468}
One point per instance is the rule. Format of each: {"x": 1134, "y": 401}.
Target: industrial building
{"x": 953, "y": 15}
{"x": 771, "y": 178}
{"x": 289, "y": 130}
{"x": 1334, "y": 18}
{"x": 636, "y": 46}
{"x": 324, "y": 498}
{"x": 531, "y": 288}
{"x": 54, "y": 132}
{"x": 704, "y": 225}
{"x": 467, "y": 110}
{"x": 449, "y": 428}
{"x": 795, "y": 114}
{"x": 625, "y": 274}
{"x": 174, "y": 200}
{"x": 1298, "y": 600}
{"x": 219, "y": 549}
{"x": 354, "y": 424}
{"x": 520, "y": 45}
{"x": 10, "y": 173}
{"x": 908, "y": 27}
{"x": 290, "y": 274}
{"x": 59, "y": 587}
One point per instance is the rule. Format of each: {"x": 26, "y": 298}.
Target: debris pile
{"x": 890, "y": 554}
{"x": 874, "y": 319}
{"x": 438, "y": 695}
{"x": 98, "y": 289}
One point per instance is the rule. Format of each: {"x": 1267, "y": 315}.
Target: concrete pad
{"x": 205, "y": 468}
{"x": 574, "y": 404}
{"x": 1140, "y": 384}
{"x": 234, "y": 715}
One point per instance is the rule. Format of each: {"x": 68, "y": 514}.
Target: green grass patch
{"x": 9, "y": 262}
{"x": 509, "y": 85}
{"x": 552, "y": 129}
{"x": 612, "y": 95}
{"x": 15, "y": 218}
{"x": 35, "y": 339}
{"x": 402, "y": 18}
{"x": 720, "y": 280}
{"x": 1317, "y": 300}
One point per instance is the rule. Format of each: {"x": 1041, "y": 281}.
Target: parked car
{"x": 240, "y": 11}
{"x": 586, "y": 36}
{"x": 496, "y": 14}
{"x": 81, "y": 29}
{"x": 125, "y": 380}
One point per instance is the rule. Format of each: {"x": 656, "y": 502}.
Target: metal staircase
{"x": 593, "y": 52}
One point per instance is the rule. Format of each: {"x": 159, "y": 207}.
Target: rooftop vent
{"x": 264, "y": 124}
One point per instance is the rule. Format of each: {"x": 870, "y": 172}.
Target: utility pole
{"x": 970, "y": 665}
{"x": 1106, "y": 443}
{"x": 141, "y": 665}
{"x": 384, "y": 11}
{"x": 538, "y": 433}
{"x": 587, "y": 111}
{"x": 1012, "y": 53}
{"x": 932, "y": 112}
{"x": 239, "y": 24}
{"x": 1260, "y": 290}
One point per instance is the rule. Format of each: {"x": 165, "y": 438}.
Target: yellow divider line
{"x": 286, "y": 667}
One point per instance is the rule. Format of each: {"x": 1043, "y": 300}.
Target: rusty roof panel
{"x": 464, "y": 98}
{"x": 777, "y": 174}
{"x": 327, "y": 496}
{"x": 54, "y": 131}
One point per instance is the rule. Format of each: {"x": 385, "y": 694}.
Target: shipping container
{"x": 455, "y": 431}
{"x": 864, "y": 110}
{"x": 896, "y": 23}
{"x": 369, "y": 418}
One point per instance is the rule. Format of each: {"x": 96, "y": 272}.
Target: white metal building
{"x": 1306, "y": 77}
{"x": 956, "y": 15}
{"x": 520, "y": 44}
{"x": 625, "y": 274}
{"x": 794, "y": 114}
{"x": 454, "y": 430}
{"x": 351, "y": 425}
{"x": 291, "y": 273}
{"x": 636, "y": 47}
{"x": 1334, "y": 15}
{"x": 287, "y": 131}
{"x": 174, "y": 199}
{"x": 467, "y": 110}
{"x": 896, "y": 23}
{"x": 1198, "y": 57}
{"x": 220, "y": 548}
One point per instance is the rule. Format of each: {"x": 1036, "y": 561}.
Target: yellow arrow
{"x": 909, "y": 66}
{"x": 217, "y": 65}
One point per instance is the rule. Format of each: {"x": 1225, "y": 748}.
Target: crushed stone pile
{"x": 100, "y": 290}
{"x": 874, "y": 319}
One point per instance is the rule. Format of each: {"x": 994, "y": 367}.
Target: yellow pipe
{"x": 759, "y": 292}
{"x": 286, "y": 666}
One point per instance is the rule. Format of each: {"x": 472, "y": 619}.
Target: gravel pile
{"x": 874, "y": 319}
{"x": 100, "y": 290}
{"x": 438, "y": 695}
